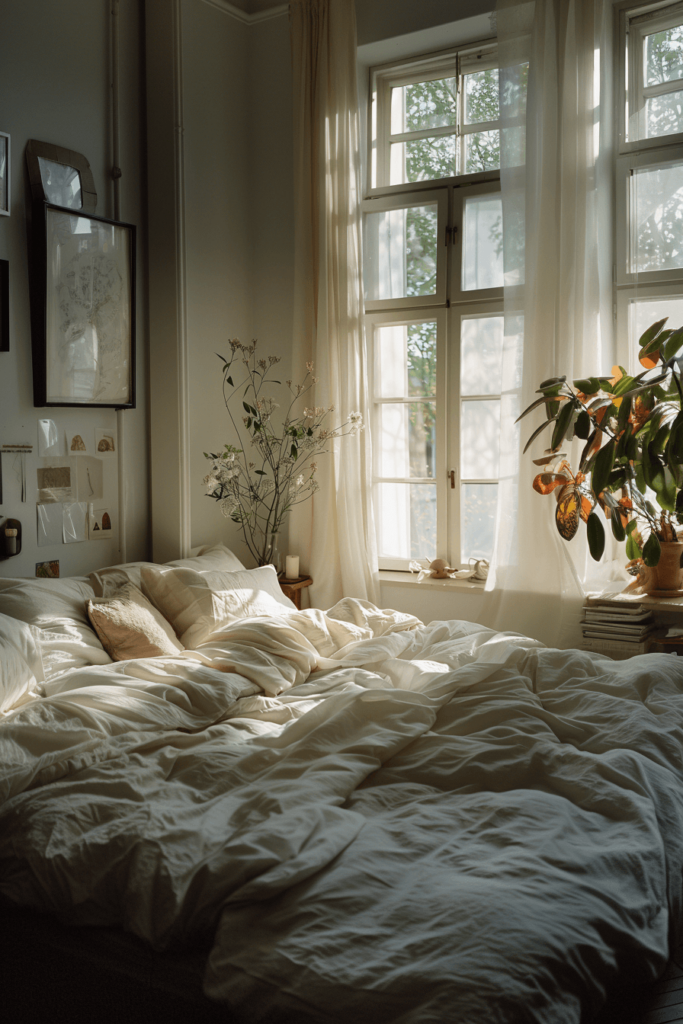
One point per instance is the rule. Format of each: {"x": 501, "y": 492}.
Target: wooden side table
{"x": 292, "y": 588}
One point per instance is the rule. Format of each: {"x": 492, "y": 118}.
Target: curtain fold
{"x": 334, "y": 532}
{"x": 556, "y": 158}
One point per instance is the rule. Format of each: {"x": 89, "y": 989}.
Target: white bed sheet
{"x": 383, "y": 821}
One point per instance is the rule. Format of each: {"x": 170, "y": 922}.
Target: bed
{"x": 341, "y": 815}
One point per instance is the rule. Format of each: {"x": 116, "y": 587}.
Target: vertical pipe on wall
{"x": 116, "y": 179}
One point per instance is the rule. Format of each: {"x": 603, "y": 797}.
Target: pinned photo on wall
{"x": 100, "y": 524}
{"x": 49, "y": 439}
{"x": 75, "y": 522}
{"x": 48, "y": 570}
{"x": 76, "y": 443}
{"x": 54, "y": 484}
{"x": 105, "y": 441}
{"x": 50, "y": 524}
{"x": 89, "y": 479}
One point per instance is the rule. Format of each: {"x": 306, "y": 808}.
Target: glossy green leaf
{"x": 652, "y": 550}
{"x": 596, "y": 536}
{"x": 666, "y": 492}
{"x": 631, "y": 526}
{"x": 623, "y": 414}
{"x": 534, "y": 405}
{"x": 582, "y": 427}
{"x": 617, "y": 527}
{"x": 674, "y": 343}
{"x": 648, "y": 336}
{"x": 604, "y": 461}
{"x": 587, "y": 385}
{"x": 551, "y": 382}
{"x": 562, "y": 425}
{"x": 632, "y": 548}
{"x": 535, "y": 434}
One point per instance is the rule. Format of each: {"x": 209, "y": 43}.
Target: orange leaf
{"x": 650, "y": 360}
{"x": 586, "y": 507}
{"x": 616, "y": 375}
{"x": 544, "y": 483}
{"x": 567, "y": 515}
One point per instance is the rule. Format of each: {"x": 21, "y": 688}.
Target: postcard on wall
{"x": 105, "y": 441}
{"x": 50, "y": 524}
{"x": 75, "y": 522}
{"x": 48, "y": 570}
{"x": 54, "y": 484}
{"x": 76, "y": 442}
{"x": 49, "y": 439}
{"x": 100, "y": 524}
{"x": 89, "y": 479}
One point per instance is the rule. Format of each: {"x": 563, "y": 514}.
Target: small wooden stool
{"x": 292, "y": 588}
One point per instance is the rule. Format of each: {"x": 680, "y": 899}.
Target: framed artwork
{"x": 4, "y": 306}
{"x": 60, "y": 176}
{"x": 4, "y": 174}
{"x": 83, "y": 310}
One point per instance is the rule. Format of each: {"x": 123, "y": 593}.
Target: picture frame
{"x": 5, "y": 179}
{"x": 83, "y": 310}
{"x": 4, "y": 305}
{"x": 60, "y": 176}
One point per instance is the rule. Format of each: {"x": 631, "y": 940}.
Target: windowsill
{"x": 409, "y": 579}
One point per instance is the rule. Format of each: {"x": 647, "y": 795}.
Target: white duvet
{"x": 380, "y": 820}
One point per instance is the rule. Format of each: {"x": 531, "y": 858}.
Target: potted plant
{"x": 259, "y": 482}
{"x": 630, "y": 471}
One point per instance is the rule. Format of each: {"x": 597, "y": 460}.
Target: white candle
{"x": 292, "y": 567}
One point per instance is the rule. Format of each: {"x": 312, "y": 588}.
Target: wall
{"x": 219, "y": 110}
{"x": 54, "y": 85}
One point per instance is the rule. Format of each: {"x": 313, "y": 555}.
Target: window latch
{"x": 451, "y": 476}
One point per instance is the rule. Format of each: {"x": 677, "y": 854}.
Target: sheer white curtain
{"x": 334, "y": 532}
{"x": 556, "y": 186}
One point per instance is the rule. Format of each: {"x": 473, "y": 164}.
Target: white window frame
{"x": 635, "y": 22}
{"x": 454, "y": 62}
{"x": 396, "y": 318}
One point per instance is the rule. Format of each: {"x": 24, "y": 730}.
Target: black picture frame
{"x": 4, "y": 305}
{"x": 83, "y": 335}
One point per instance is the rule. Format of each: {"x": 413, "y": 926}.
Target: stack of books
{"x": 616, "y": 629}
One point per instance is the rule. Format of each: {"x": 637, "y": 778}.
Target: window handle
{"x": 451, "y": 475}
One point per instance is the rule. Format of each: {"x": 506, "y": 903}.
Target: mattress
{"x": 365, "y": 817}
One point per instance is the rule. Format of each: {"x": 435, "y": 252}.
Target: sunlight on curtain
{"x": 334, "y": 532}
{"x": 556, "y": 154}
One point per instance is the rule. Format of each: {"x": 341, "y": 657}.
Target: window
{"x": 649, "y": 173}
{"x": 433, "y": 266}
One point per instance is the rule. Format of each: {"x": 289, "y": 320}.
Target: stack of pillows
{"x": 142, "y": 610}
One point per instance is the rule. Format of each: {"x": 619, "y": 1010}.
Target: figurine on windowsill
{"x": 439, "y": 570}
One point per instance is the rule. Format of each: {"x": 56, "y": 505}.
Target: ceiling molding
{"x": 248, "y": 19}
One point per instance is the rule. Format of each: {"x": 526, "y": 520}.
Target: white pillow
{"x": 106, "y": 581}
{"x": 196, "y": 603}
{"x": 21, "y": 664}
{"x": 57, "y": 609}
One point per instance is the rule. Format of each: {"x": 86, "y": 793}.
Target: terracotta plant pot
{"x": 667, "y": 573}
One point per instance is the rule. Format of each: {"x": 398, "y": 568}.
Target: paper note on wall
{"x": 54, "y": 484}
{"x": 49, "y": 440}
{"x": 50, "y": 524}
{"x": 74, "y": 522}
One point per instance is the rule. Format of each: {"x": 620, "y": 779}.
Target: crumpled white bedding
{"x": 383, "y": 821}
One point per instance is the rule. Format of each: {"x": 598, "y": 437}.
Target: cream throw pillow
{"x": 196, "y": 603}
{"x": 130, "y": 627}
{"x": 105, "y": 582}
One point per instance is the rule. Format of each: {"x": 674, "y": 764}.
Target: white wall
{"x": 54, "y": 73}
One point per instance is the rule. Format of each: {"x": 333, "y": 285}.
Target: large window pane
{"x": 422, "y": 160}
{"x": 478, "y": 520}
{"x": 482, "y": 151}
{"x": 664, "y": 114}
{"x": 407, "y": 520}
{"x": 657, "y": 201}
{"x": 423, "y": 105}
{"x": 407, "y": 440}
{"x": 479, "y": 439}
{"x": 664, "y": 56}
{"x": 644, "y": 312}
{"x": 407, "y": 360}
{"x": 481, "y": 96}
{"x": 400, "y": 252}
{"x": 481, "y": 355}
{"x": 482, "y": 257}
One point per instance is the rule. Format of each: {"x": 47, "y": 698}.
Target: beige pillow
{"x": 106, "y": 582}
{"x": 130, "y": 627}
{"x": 196, "y": 603}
